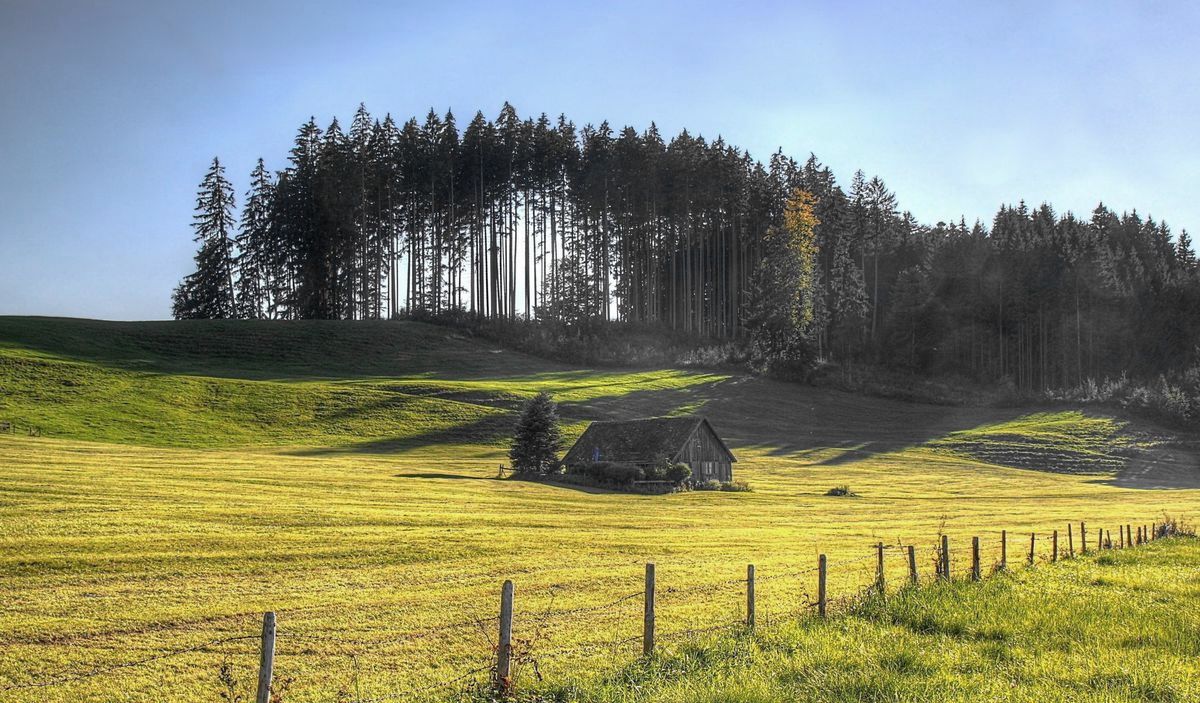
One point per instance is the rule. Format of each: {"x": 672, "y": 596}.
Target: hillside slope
{"x": 325, "y": 386}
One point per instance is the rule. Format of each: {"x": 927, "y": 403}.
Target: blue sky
{"x": 111, "y": 110}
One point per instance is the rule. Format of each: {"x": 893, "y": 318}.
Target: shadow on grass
{"x": 495, "y": 429}
{"x": 438, "y": 476}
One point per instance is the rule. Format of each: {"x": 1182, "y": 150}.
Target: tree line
{"x": 536, "y": 219}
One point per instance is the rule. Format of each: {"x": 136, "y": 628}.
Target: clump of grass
{"x": 1174, "y": 527}
{"x": 841, "y": 491}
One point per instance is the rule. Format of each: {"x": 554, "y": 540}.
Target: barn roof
{"x": 639, "y": 441}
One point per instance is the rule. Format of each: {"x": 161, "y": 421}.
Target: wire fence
{"x": 517, "y": 646}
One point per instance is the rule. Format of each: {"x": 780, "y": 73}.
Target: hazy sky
{"x": 110, "y": 111}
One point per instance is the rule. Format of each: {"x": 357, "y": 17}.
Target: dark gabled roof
{"x": 638, "y": 441}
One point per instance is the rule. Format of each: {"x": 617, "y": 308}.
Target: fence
{"x": 515, "y": 638}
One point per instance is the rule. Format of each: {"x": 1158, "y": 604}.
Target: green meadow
{"x": 186, "y": 477}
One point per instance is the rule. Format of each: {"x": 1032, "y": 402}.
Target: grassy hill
{"x": 191, "y": 475}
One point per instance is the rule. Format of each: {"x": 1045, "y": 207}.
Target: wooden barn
{"x": 688, "y": 439}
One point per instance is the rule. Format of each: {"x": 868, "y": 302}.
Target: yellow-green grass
{"x": 114, "y": 553}
{"x": 171, "y": 501}
{"x": 1122, "y": 627}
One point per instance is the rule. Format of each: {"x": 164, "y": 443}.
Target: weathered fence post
{"x": 266, "y": 662}
{"x": 1003, "y": 550}
{"x": 504, "y": 649}
{"x": 975, "y": 572}
{"x": 1032, "y": 547}
{"x": 822, "y": 573}
{"x": 1129, "y": 534}
{"x": 1120, "y": 537}
{"x": 913, "y": 576}
{"x": 880, "y": 579}
{"x": 750, "y": 596}
{"x": 1054, "y": 546}
{"x": 648, "y": 622}
{"x": 945, "y": 557}
{"x": 1083, "y": 537}
{"x": 1071, "y": 540}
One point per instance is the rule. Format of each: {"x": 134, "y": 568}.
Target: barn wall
{"x": 706, "y": 457}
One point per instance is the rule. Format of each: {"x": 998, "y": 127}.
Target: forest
{"x": 581, "y": 228}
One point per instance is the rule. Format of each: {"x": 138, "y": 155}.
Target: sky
{"x": 111, "y": 111}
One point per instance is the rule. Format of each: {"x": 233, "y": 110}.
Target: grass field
{"x": 191, "y": 476}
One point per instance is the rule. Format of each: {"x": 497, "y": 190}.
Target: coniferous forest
{"x": 574, "y": 227}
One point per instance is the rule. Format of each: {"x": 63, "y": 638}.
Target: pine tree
{"x": 208, "y": 293}
{"x": 253, "y": 245}
{"x": 1184, "y": 254}
{"x": 848, "y": 300}
{"x": 537, "y": 439}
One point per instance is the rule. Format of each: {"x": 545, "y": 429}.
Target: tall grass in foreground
{"x": 1118, "y": 626}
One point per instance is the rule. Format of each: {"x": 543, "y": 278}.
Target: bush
{"x": 841, "y": 491}
{"x": 678, "y": 473}
{"x": 609, "y": 472}
{"x": 1174, "y": 527}
{"x": 713, "y": 484}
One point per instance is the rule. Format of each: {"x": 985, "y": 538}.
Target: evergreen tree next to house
{"x": 208, "y": 293}
{"x": 537, "y": 440}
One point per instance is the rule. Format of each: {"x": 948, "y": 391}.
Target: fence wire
{"x": 779, "y": 595}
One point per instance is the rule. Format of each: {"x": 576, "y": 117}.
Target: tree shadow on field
{"x": 494, "y": 431}
{"x": 793, "y": 420}
{"x": 440, "y": 476}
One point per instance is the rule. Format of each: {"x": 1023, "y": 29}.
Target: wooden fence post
{"x": 880, "y": 579}
{"x": 1003, "y": 550}
{"x": 648, "y": 622}
{"x": 504, "y": 650}
{"x": 1120, "y": 537}
{"x": 1054, "y": 546}
{"x": 822, "y": 573}
{"x": 975, "y": 572}
{"x": 1129, "y": 534}
{"x": 266, "y": 662}
{"x": 1083, "y": 537}
{"x": 1071, "y": 540}
{"x": 1032, "y": 547}
{"x": 945, "y": 557}
{"x": 913, "y": 576}
{"x": 750, "y": 596}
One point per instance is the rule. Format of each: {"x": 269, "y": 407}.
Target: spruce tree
{"x": 848, "y": 299}
{"x": 208, "y": 293}
{"x": 537, "y": 439}
{"x": 253, "y": 245}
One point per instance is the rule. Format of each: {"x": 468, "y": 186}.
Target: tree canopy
{"x": 537, "y": 218}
